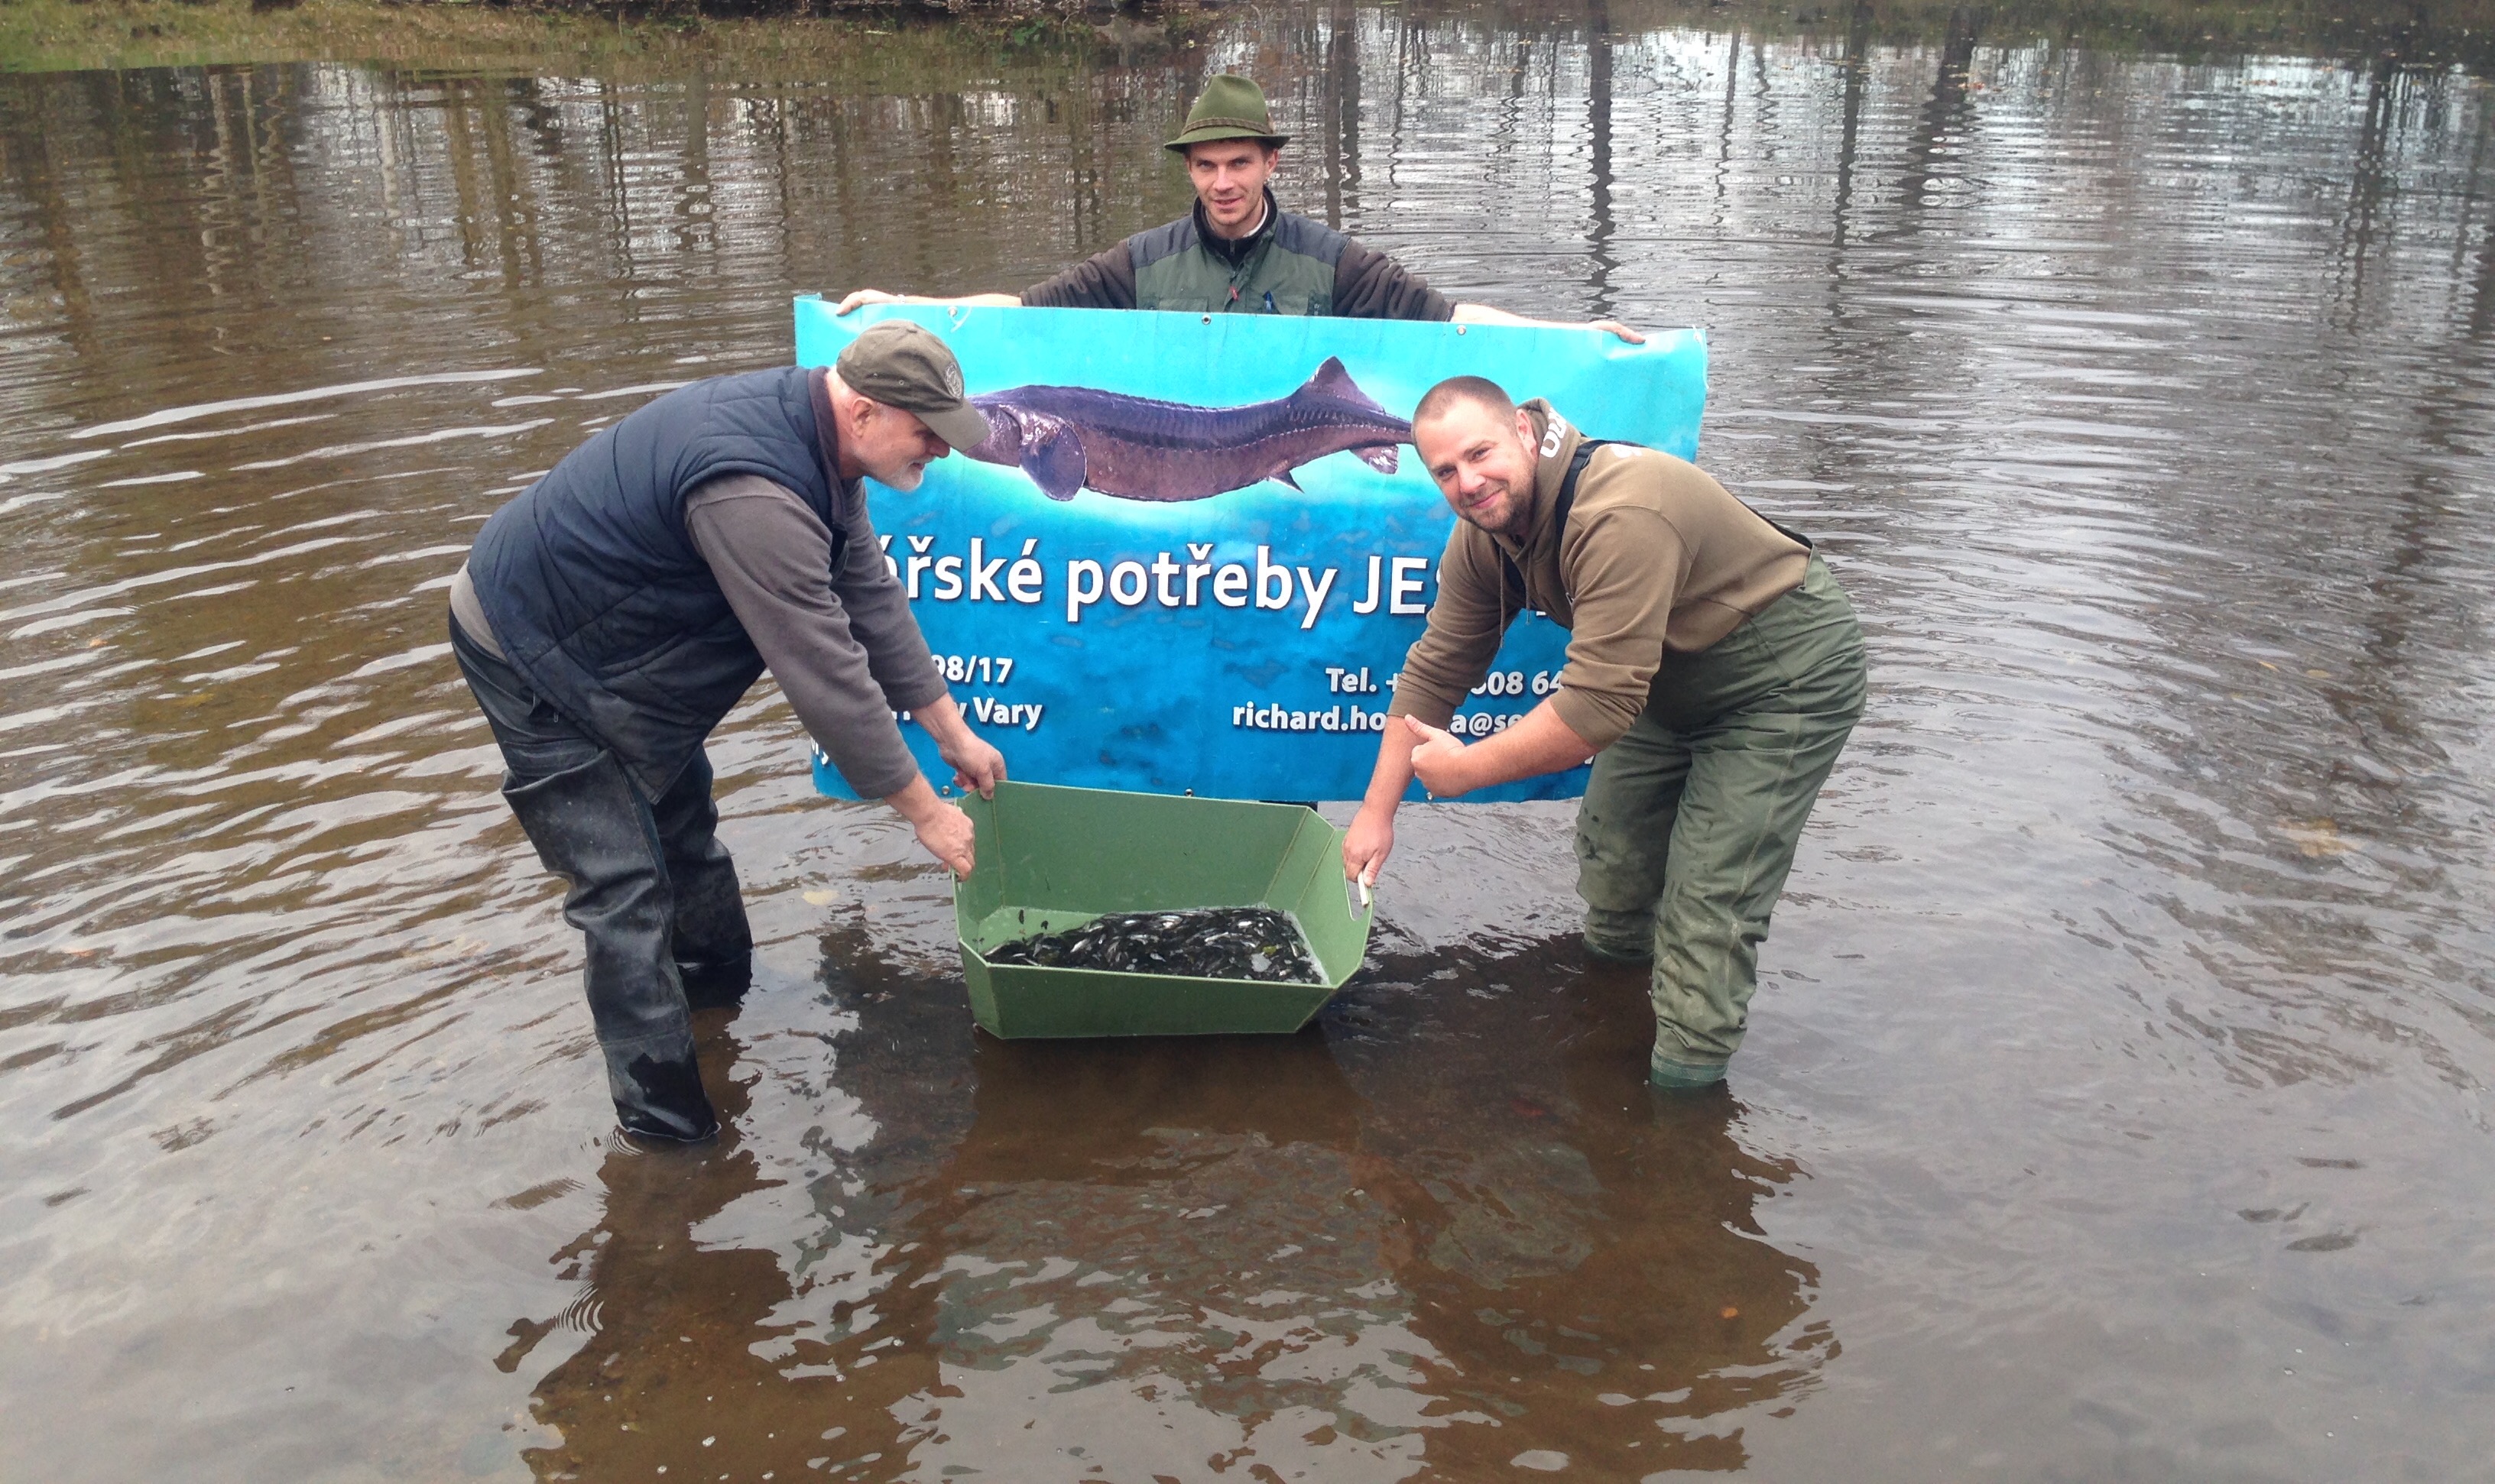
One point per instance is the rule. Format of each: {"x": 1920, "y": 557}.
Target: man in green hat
{"x": 1238, "y": 251}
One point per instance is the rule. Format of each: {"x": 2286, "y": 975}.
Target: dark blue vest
{"x": 594, "y": 591}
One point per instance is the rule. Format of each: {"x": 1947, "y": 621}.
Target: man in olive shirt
{"x": 615, "y": 612}
{"x": 1238, "y": 251}
{"x": 1714, "y": 671}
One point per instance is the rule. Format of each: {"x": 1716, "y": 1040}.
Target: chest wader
{"x": 1690, "y": 820}
{"x": 651, "y": 887}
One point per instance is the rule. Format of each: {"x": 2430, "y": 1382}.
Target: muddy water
{"x": 2117, "y": 1102}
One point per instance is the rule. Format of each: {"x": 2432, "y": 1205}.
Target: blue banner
{"x": 1192, "y": 554}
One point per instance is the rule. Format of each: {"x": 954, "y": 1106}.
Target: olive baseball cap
{"x": 908, "y": 366}
{"x": 1232, "y": 107}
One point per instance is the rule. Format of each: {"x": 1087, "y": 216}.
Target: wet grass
{"x": 461, "y": 35}
{"x": 933, "y": 40}
{"x": 64, "y": 35}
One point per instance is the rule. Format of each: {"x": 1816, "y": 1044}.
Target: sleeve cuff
{"x": 1421, "y": 707}
{"x": 1598, "y": 719}
{"x": 909, "y": 698}
{"x": 878, "y": 777}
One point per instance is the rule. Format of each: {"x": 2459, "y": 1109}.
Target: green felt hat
{"x": 1231, "y": 108}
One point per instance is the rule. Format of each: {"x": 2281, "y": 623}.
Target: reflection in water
{"x": 1457, "y": 1232}
{"x": 2117, "y": 1094}
{"x": 1587, "y": 1261}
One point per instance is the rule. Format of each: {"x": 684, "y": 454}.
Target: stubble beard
{"x": 1515, "y": 518}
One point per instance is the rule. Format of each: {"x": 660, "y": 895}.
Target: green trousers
{"x": 1690, "y": 820}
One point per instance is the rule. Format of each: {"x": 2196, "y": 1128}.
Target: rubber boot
{"x": 1601, "y": 950}
{"x": 592, "y": 827}
{"x": 713, "y": 942}
{"x": 1672, "y": 1074}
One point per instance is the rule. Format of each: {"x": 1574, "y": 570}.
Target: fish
{"x": 1077, "y": 438}
{"x": 1250, "y": 943}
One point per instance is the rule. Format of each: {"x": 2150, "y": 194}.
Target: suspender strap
{"x": 1510, "y": 572}
{"x": 1568, "y": 481}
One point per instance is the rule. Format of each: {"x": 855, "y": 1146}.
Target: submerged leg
{"x": 1755, "y": 773}
{"x": 592, "y": 826}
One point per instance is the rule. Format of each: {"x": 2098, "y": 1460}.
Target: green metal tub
{"x": 1050, "y": 859}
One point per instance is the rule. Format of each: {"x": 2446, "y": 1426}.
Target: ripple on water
{"x": 2124, "y": 1028}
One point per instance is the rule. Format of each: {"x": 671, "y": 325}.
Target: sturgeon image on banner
{"x": 1194, "y": 548}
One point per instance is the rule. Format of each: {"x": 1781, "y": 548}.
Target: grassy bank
{"x": 51, "y": 35}
{"x": 55, "y": 35}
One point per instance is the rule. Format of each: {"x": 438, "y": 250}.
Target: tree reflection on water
{"x": 2131, "y": 365}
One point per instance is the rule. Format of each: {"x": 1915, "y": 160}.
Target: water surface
{"x": 2116, "y": 1104}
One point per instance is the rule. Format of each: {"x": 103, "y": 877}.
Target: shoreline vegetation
{"x": 600, "y": 35}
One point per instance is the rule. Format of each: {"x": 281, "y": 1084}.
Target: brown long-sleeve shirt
{"x": 1655, "y": 557}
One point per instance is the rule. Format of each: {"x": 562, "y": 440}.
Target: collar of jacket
{"x": 1558, "y": 440}
{"x": 827, "y": 428}
{"x": 1236, "y": 253}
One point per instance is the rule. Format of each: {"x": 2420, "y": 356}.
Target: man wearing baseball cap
{"x": 613, "y": 613}
{"x": 1238, "y": 251}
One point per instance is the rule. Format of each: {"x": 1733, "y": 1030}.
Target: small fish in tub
{"x": 1249, "y": 942}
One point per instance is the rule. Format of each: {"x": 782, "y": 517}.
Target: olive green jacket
{"x": 1292, "y": 265}
{"x": 1287, "y": 269}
